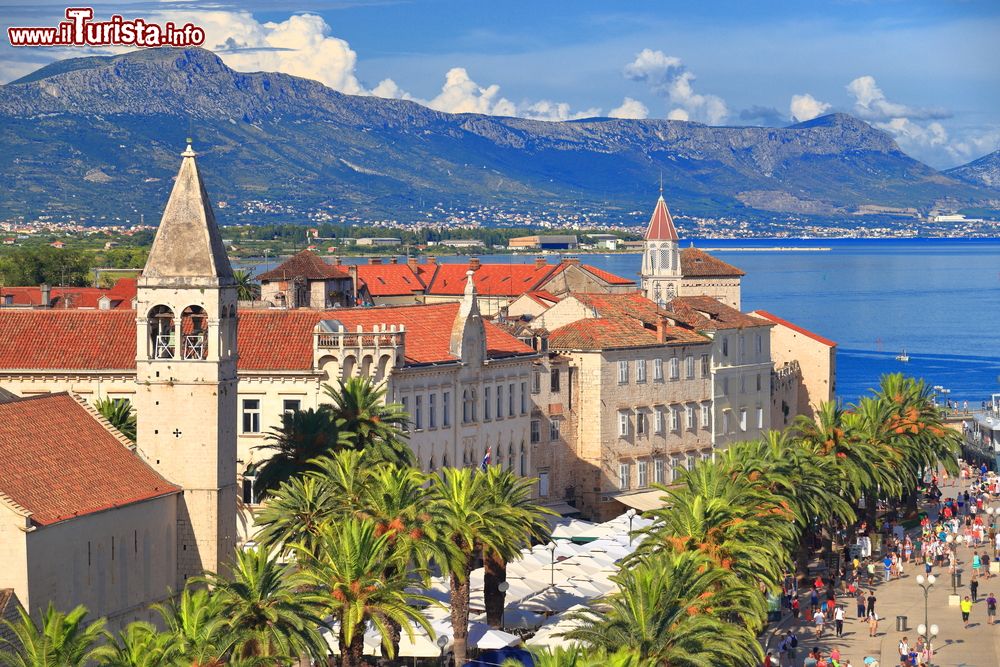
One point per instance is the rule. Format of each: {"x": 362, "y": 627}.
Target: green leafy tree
{"x": 372, "y": 425}
{"x": 677, "y": 609}
{"x": 358, "y": 578}
{"x": 30, "y": 266}
{"x": 261, "y": 603}
{"x": 198, "y": 634}
{"x": 120, "y": 413}
{"x": 247, "y": 287}
{"x": 303, "y": 437}
{"x": 62, "y": 640}
{"x": 512, "y": 506}
{"x": 138, "y": 645}
{"x": 296, "y": 512}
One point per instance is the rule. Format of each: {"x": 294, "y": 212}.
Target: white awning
{"x": 643, "y": 501}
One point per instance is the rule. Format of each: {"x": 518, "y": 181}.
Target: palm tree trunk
{"x": 494, "y": 572}
{"x": 352, "y": 655}
{"x": 460, "y": 614}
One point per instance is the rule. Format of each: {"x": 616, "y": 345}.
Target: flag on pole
{"x": 486, "y": 458}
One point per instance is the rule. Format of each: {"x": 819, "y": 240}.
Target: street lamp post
{"x": 953, "y": 542}
{"x": 503, "y": 587}
{"x": 442, "y": 641}
{"x": 926, "y": 630}
{"x": 552, "y": 552}
{"x": 631, "y": 515}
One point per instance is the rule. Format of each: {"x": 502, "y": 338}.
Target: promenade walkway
{"x": 955, "y": 646}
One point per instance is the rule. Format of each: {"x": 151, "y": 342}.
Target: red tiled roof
{"x": 120, "y": 294}
{"x": 794, "y": 327}
{"x": 543, "y": 298}
{"x": 622, "y": 320}
{"x": 60, "y": 462}
{"x": 490, "y": 279}
{"x": 267, "y": 339}
{"x": 697, "y": 263}
{"x": 707, "y": 314}
{"x": 390, "y": 279}
{"x": 661, "y": 224}
{"x": 304, "y": 264}
{"x": 607, "y": 276}
{"x": 67, "y": 339}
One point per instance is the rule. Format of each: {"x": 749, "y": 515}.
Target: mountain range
{"x": 99, "y": 136}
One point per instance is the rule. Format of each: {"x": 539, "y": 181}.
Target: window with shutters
{"x": 640, "y": 370}
{"x": 657, "y": 369}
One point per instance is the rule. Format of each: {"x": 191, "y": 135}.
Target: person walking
{"x": 838, "y": 620}
{"x": 859, "y": 598}
{"x": 991, "y": 608}
{"x": 966, "y": 607}
{"x": 977, "y": 563}
{"x": 871, "y": 603}
{"x": 974, "y": 588}
{"x": 872, "y": 624}
{"x": 887, "y": 567}
{"x": 904, "y": 650}
{"x": 819, "y": 618}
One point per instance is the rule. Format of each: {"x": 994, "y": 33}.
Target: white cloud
{"x": 630, "y": 108}
{"x": 970, "y": 147}
{"x": 300, "y": 45}
{"x": 871, "y": 103}
{"x": 806, "y": 107}
{"x": 667, "y": 76}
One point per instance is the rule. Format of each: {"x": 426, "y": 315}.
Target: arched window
{"x": 466, "y": 406}
{"x": 524, "y": 462}
{"x": 194, "y": 328}
{"x": 652, "y": 260}
{"x": 665, "y": 257}
{"x": 510, "y": 457}
{"x": 162, "y": 334}
{"x": 444, "y": 461}
{"x": 431, "y": 466}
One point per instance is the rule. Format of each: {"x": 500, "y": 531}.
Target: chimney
{"x": 374, "y": 260}
{"x": 338, "y": 261}
{"x": 661, "y": 329}
{"x": 540, "y": 262}
{"x": 474, "y": 264}
{"x": 431, "y": 259}
{"x": 352, "y": 271}
{"x": 46, "y": 295}
{"x": 412, "y": 263}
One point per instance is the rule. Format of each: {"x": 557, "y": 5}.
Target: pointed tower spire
{"x": 468, "y": 334}
{"x": 188, "y": 243}
{"x": 661, "y": 224}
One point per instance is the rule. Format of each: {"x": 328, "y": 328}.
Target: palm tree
{"x": 358, "y": 578}
{"x": 463, "y": 502}
{"x": 738, "y": 526}
{"x": 198, "y": 634}
{"x": 295, "y": 513}
{"x": 359, "y": 408}
{"x": 138, "y": 645}
{"x": 303, "y": 436}
{"x": 262, "y": 602}
{"x": 677, "y": 609}
{"x": 578, "y": 656}
{"x": 62, "y": 640}
{"x": 524, "y": 521}
{"x": 247, "y": 288}
{"x": 119, "y": 413}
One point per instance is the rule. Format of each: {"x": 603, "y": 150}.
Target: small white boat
{"x": 903, "y": 356}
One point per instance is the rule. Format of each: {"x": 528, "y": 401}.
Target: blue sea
{"x": 939, "y": 299}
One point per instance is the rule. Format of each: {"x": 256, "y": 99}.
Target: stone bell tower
{"x": 186, "y": 400}
{"x": 661, "y": 259}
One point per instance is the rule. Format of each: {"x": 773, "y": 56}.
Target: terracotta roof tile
{"x": 697, "y": 263}
{"x": 305, "y": 264}
{"x": 268, "y": 339}
{"x": 60, "y": 462}
{"x": 607, "y": 276}
{"x": 390, "y": 279}
{"x": 490, "y": 279}
{"x": 704, "y": 313}
{"x": 120, "y": 294}
{"x": 794, "y": 327}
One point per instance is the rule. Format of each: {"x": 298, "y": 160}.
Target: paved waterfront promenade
{"x": 955, "y": 646}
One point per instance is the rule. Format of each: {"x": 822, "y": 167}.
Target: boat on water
{"x": 903, "y": 356}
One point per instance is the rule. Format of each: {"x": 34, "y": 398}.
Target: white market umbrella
{"x": 484, "y": 637}
{"x": 556, "y": 599}
{"x": 572, "y": 528}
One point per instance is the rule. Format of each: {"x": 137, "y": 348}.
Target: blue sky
{"x": 925, "y": 71}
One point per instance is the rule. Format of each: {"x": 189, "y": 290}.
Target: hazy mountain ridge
{"x": 298, "y": 144}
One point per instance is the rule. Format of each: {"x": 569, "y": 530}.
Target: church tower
{"x": 661, "y": 257}
{"x": 186, "y": 401}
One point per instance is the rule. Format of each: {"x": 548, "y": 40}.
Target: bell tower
{"x": 661, "y": 258}
{"x": 186, "y": 400}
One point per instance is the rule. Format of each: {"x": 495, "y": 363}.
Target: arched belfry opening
{"x": 162, "y": 333}
{"x": 194, "y": 329}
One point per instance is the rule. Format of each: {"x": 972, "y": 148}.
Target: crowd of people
{"x": 964, "y": 519}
